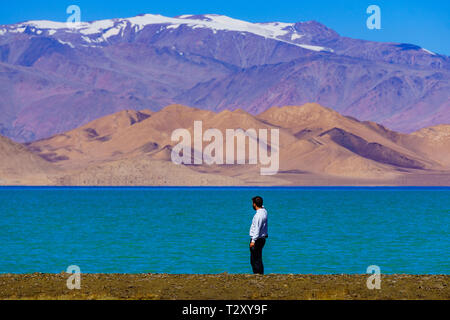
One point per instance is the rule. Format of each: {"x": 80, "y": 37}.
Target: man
{"x": 258, "y": 234}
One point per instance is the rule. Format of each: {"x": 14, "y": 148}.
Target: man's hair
{"x": 258, "y": 201}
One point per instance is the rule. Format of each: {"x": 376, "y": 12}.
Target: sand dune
{"x": 134, "y": 147}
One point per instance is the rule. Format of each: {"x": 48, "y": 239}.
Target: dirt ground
{"x": 223, "y": 287}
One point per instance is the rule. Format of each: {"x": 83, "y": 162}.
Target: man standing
{"x": 258, "y": 234}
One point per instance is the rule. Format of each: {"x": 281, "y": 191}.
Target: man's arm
{"x": 255, "y": 229}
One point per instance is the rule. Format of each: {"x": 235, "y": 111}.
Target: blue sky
{"x": 425, "y": 23}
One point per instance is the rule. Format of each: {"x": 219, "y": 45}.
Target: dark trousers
{"x": 256, "y": 256}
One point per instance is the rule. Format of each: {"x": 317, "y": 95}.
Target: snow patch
{"x": 45, "y": 24}
{"x": 95, "y": 27}
{"x": 173, "y": 26}
{"x": 108, "y": 28}
{"x": 314, "y": 48}
{"x": 278, "y": 28}
{"x": 67, "y": 43}
{"x": 428, "y": 51}
{"x": 91, "y": 40}
{"x": 18, "y": 30}
{"x": 111, "y": 32}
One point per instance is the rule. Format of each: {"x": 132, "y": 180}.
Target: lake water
{"x": 205, "y": 230}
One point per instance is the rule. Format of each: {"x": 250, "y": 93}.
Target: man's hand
{"x": 252, "y": 244}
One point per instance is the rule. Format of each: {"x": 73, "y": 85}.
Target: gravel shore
{"x": 223, "y": 287}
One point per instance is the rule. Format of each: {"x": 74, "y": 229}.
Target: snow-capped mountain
{"x": 56, "y": 76}
{"x": 99, "y": 32}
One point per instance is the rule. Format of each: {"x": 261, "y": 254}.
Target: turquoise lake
{"x": 205, "y": 230}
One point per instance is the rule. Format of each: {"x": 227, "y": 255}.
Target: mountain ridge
{"x": 318, "y": 146}
{"x": 55, "y": 79}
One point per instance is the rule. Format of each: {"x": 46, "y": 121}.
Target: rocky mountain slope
{"x": 20, "y": 166}
{"x": 317, "y": 146}
{"x": 54, "y": 78}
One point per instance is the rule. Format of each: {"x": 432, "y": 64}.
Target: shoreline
{"x": 331, "y": 187}
{"x": 40, "y": 286}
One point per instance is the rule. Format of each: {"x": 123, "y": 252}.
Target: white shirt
{"x": 258, "y": 228}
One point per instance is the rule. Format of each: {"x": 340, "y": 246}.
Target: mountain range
{"x": 318, "y": 146}
{"x": 55, "y": 78}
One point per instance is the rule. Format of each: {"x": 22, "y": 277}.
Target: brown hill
{"x": 317, "y": 146}
{"x": 20, "y": 166}
{"x": 433, "y": 142}
{"x": 332, "y": 144}
{"x": 127, "y": 133}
